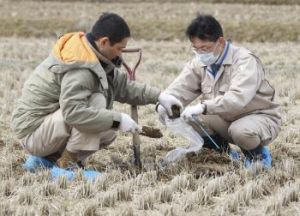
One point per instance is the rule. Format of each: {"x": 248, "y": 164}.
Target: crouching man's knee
{"x": 50, "y": 137}
{"x": 245, "y": 138}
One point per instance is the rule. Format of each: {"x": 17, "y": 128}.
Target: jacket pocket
{"x": 206, "y": 92}
{"x": 223, "y": 89}
{"x": 206, "y": 89}
{"x": 55, "y": 68}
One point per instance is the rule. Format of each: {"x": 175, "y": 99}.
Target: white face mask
{"x": 207, "y": 58}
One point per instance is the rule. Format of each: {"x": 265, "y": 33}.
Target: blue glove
{"x": 234, "y": 155}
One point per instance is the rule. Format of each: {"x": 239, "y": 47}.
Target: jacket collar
{"x": 106, "y": 65}
{"x": 228, "y": 58}
{"x": 56, "y": 65}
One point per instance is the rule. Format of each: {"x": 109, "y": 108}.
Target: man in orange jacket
{"x": 66, "y": 107}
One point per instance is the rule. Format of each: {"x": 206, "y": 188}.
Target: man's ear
{"x": 104, "y": 41}
{"x": 222, "y": 41}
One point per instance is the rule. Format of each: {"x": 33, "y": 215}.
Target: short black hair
{"x": 204, "y": 27}
{"x": 112, "y": 26}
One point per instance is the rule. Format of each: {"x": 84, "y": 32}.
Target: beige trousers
{"x": 54, "y": 135}
{"x": 247, "y": 132}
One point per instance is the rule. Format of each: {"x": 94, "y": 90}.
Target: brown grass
{"x": 268, "y": 2}
{"x": 36, "y": 28}
{"x": 167, "y": 22}
{"x": 155, "y": 29}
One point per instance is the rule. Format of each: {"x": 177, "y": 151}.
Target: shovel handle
{"x": 131, "y": 72}
{"x": 131, "y": 50}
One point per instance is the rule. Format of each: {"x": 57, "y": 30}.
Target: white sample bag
{"x": 179, "y": 126}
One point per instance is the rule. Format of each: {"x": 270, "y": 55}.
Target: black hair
{"x": 112, "y": 26}
{"x": 204, "y": 27}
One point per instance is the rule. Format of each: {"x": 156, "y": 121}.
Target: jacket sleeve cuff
{"x": 209, "y": 107}
{"x": 153, "y": 94}
{"x": 205, "y": 109}
{"x": 156, "y": 106}
{"x": 116, "y": 120}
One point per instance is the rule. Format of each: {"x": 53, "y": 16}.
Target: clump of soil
{"x": 151, "y": 132}
{"x": 175, "y": 112}
{"x": 209, "y": 162}
{"x": 209, "y": 156}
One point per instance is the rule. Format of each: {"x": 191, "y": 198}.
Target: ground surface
{"x": 207, "y": 184}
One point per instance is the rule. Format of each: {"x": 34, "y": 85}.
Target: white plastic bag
{"x": 179, "y": 126}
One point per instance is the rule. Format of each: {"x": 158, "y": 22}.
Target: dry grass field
{"x": 192, "y": 187}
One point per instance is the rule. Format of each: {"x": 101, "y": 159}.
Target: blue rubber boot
{"x": 57, "y": 172}
{"x": 234, "y": 155}
{"x": 261, "y": 155}
{"x": 89, "y": 175}
{"x": 33, "y": 163}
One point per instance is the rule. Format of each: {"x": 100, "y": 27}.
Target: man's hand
{"x": 127, "y": 124}
{"x": 167, "y": 101}
{"x": 162, "y": 114}
{"x": 190, "y": 111}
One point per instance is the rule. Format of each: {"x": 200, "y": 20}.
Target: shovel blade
{"x": 136, "y": 150}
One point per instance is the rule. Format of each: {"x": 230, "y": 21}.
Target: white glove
{"x": 167, "y": 101}
{"x": 190, "y": 111}
{"x": 127, "y": 124}
{"x": 162, "y": 114}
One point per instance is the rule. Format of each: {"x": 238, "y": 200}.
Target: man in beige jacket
{"x": 66, "y": 111}
{"x": 237, "y": 102}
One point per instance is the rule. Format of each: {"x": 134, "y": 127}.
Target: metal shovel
{"x": 134, "y": 112}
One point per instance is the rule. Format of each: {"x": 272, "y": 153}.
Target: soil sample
{"x": 209, "y": 156}
{"x": 175, "y": 112}
{"x": 209, "y": 162}
{"x": 151, "y": 132}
